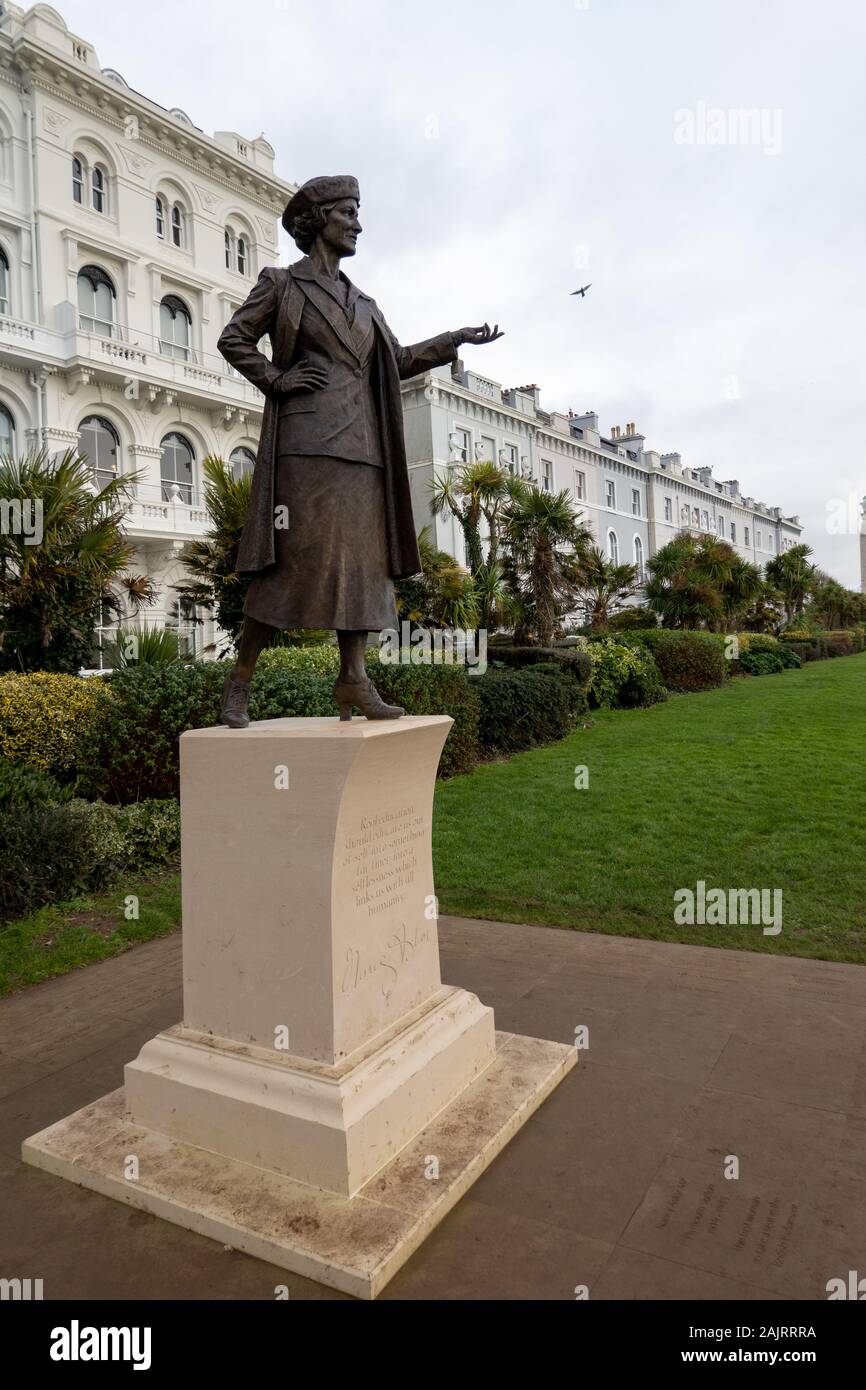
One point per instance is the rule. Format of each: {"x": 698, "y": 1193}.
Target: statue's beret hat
{"x": 330, "y": 188}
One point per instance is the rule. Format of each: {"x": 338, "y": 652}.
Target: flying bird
{"x": 582, "y": 291}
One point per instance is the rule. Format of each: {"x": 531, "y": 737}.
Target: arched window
{"x": 175, "y": 324}
{"x": 243, "y": 461}
{"x": 77, "y": 179}
{"x": 160, "y": 218}
{"x": 229, "y": 250}
{"x": 176, "y": 469}
{"x": 95, "y": 301}
{"x": 242, "y": 255}
{"x": 638, "y": 556}
{"x": 100, "y": 445}
{"x": 177, "y": 225}
{"x": 7, "y": 432}
{"x": 4, "y": 282}
{"x": 99, "y": 187}
{"x": 612, "y": 548}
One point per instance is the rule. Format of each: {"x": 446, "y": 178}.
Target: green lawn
{"x": 63, "y": 935}
{"x": 757, "y": 785}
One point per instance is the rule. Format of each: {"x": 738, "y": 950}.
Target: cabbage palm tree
{"x": 543, "y": 534}
{"x": 603, "y": 586}
{"x": 55, "y": 580}
{"x": 211, "y": 560}
{"x": 470, "y": 492}
{"x": 793, "y": 575}
{"x": 687, "y": 578}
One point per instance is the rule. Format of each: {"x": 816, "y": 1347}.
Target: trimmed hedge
{"x": 687, "y": 661}
{"x": 574, "y": 660}
{"x": 760, "y": 663}
{"x": 49, "y": 720}
{"x": 50, "y": 851}
{"x": 523, "y": 708}
{"x": 624, "y": 674}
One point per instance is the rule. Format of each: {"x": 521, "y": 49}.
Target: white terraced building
{"x": 127, "y": 239}
{"x": 633, "y": 498}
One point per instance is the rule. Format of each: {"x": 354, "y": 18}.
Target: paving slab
{"x": 617, "y": 1184}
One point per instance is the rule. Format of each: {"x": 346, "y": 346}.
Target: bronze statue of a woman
{"x": 330, "y": 523}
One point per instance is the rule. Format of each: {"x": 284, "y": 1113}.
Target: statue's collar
{"x": 306, "y": 269}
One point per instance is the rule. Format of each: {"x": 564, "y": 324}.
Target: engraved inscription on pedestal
{"x": 387, "y": 955}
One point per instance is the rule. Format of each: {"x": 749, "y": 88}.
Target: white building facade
{"x": 633, "y": 499}
{"x": 127, "y": 239}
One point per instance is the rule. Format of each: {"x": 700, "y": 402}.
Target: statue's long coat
{"x": 275, "y": 306}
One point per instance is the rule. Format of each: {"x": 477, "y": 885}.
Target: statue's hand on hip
{"x": 478, "y": 336}
{"x": 304, "y": 376}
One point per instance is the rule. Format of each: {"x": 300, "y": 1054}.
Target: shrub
{"x": 437, "y": 690}
{"x": 805, "y": 648}
{"x": 321, "y": 660}
{"x": 687, "y": 660}
{"x": 632, "y": 619}
{"x": 49, "y": 720}
{"x": 23, "y": 785}
{"x": 573, "y": 659}
{"x": 836, "y": 643}
{"x": 623, "y": 675}
{"x": 789, "y": 658}
{"x": 523, "y": 708}
{"x": 50, "y": 851}
{"x": 760, "y": 663}
{"x": 756, "y": 642}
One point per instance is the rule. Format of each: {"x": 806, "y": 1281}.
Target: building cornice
{"x": 98, "y": 97}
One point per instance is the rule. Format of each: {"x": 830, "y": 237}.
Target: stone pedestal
{"x": 320, "y": 1058}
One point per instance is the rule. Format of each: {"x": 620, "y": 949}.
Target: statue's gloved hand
{"x": 304, "y": 376}
{"x": 477, "y": 336}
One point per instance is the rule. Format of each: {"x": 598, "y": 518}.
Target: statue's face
{"x": 342, "y": 228}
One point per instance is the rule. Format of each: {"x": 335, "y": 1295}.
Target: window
{"x": 242, "y": 255}
{"x": 579, "y": 485}
{"x": 7, "y": 432}
{"x": 734, "y": 532}
{"x": 638, "y": 556}
{"x": 229, "y": 250}
{"x": 705, "y": 520}
{"x": 758, "y": 539}
{"x": 635, "y": 502}
{"x": 770, "y": 545}
{"x": 612, "y": 548}
{"x": 610, "y": 493}
{"x": 98, "y": 187}
{"x": 746, "y": 530}
{"x": 160, "y": 219}
{"x": 95, "y": 301}
{"x": 77, "y": 179}
{"x": 101, "y": 446}
{"x": 4, "y": 282}
{"x": 175, "y": 325}
{"x": 461, "y": 445}
{"x": 546, "y": 475}
{"x": 177, "y": 225}
{"x": 176, "y": 468}
{"x": 243, "y": 461}
{"x": 696, "y": 515}
{"x": 508, "y": 458}
{"x": 669, "y": 509}
{"x": 720, "y": 522}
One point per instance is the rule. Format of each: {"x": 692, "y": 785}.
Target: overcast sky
{"x": 508, "y": 152}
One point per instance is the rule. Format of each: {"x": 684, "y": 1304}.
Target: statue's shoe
{"x": 364, "y": 696}
{"x": 234, "y": 710}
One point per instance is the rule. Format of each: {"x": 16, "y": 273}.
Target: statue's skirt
{"x": 332, "y": 568}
